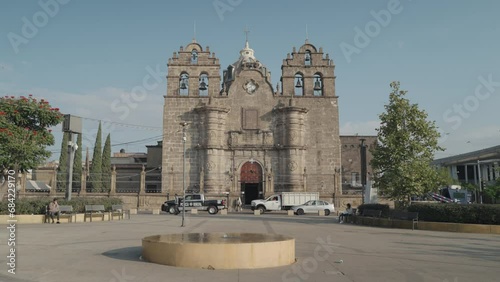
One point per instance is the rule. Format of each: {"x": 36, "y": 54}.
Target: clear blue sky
{"x": 85, "y": 55}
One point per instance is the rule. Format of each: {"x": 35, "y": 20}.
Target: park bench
{"x": 117, "y": 210}
{"x": 93, "y": 210}
{"x": 350, "y": 218}
{"x": 372, "y": 213}
{"x": 402, "y": 215}
{"x": 64, "y": 212}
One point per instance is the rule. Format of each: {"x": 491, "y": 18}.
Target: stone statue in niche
{"x": 233, "y": 138}
{"x": 268, "y": 138}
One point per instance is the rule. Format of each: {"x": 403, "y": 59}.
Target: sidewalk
{"x": 325, "y": 251}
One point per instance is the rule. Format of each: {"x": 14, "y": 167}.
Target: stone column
{"x": 214, "y": 121}
{"x": 142, "y": 185}
{"x": 83, "y": 183}
{"x": 112, "y": 191}
{"x": 293, "y": 149}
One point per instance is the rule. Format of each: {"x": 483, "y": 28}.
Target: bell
{"x": 308, "y": 58}
{"x": 317, "y": 85}
{"x": 299, "y": 84}
{"x": 203, "y": 85}
{"x": 183, "y": 85}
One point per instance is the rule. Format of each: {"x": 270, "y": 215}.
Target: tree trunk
{"x": 5, "y": 185}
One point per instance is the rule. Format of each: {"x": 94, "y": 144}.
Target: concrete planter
{"x": 22, "y": 219}
{"x": 426, "y": 225}
{"x": 39, "y": 218}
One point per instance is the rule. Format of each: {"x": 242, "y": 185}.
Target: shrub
{"x": 474, "y": 213}
{"x": 380, "y": 207}
{"x": 38, "y": 205}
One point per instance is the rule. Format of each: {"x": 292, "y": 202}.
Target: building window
{"x": 299, "y": 84}
{"x": 184, "y": 84}
{"x": 355, "y": 179}
{"x": 318, "y": 85}
{"x": 194, "y": 57}
{"x": 203, "y": 85}
{"x": 307, "y": 58}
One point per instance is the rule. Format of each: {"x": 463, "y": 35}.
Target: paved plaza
{"x": 325, "y": 251}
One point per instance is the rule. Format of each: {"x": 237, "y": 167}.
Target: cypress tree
{"x": 77, "y": 165}
{"x": 106, "y": 165}
{"x": 62, "y": 169}
{"x": 96, "y": 167}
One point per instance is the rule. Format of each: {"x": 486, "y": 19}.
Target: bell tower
{"x": 308, "y": 72}
{"x": 193, "y": 72}
{"x": 193, "y": 78}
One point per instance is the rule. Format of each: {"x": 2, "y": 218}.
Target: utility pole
{"x": 71, "y": 124}
{"x": 363, "y": 166}
{"x": 72, "y": 147}
{"x": 184, "y": 138}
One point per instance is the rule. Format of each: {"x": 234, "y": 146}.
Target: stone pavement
{"x": 325, "y": 251}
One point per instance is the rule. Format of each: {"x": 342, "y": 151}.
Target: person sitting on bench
{"x": 54, "y": 210}
{"x": 346, "y": 213}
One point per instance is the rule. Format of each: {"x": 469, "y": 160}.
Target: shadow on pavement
{"x": 129, "y": 253}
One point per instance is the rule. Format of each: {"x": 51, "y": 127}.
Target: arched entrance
{"x": 251, "y": 181}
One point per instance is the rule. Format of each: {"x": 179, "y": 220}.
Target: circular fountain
{"x": 220, "y": 250}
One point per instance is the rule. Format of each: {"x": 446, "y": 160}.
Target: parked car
{"x": 314, "y": 206}
{"x": 193, "y": 201}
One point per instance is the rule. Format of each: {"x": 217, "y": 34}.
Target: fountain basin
{"x": 220, "y": 250}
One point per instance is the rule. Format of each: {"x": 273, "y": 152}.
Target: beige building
{"x": 244, "y": 136}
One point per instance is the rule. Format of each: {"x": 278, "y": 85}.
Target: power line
{"x": 123, "y": 143}
{"x": 138, "y": 141}
{"x": 130, "y": 125}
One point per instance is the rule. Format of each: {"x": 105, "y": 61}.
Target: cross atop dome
{"x": 246, "y": 31}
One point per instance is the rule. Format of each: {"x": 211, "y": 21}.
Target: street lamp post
{"x": 184, "y": 125}
{"x": 480, "y": 181}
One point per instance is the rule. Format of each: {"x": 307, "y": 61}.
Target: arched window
{"x": 299, "y": 84}
{"x": 184, "y": 84}
{"x": 203, "y": 84}
{"x": 318, "y": 85}
{"x": 307, "y": 58}
{"x": 194, "y": 57}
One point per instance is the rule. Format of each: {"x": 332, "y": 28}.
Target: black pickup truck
{"x": 193, "y": 201}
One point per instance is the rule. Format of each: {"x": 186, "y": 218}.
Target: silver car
{"x": 314, "y": 206}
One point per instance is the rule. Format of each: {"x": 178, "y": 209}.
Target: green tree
{"x": 106, "y": 165}
{"x": 25, "y": 133}
{"x": 406, "y": 143}
{"x": 493, "y": 191}
{"x": 444, "y": 177}
{"x": 96, "y": 167}
{"x": 62, "y": 169}
{"x": 77, "y": 165}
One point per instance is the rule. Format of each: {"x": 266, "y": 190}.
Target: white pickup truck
{"x": 283, "y": 201}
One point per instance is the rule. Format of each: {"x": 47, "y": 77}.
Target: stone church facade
{"x": 244, "y": 137}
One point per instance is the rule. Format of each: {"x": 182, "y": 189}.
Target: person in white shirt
{"x": 346, "y": 213}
